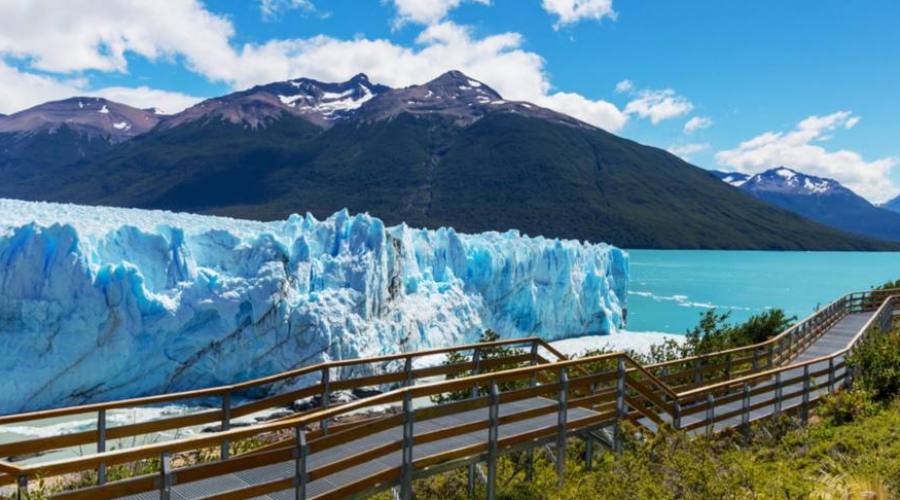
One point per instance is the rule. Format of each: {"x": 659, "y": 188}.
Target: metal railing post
{"x": 771, "y": 356}
{"x": 698, "y": 377}
{"x": 778, "y": 394}
{"x": 728, "y": 365}
{"x": 745, "y": 413}
{"x": 165, "y": 476}
{"x": 710, "y": 414}
{"x": 804, "y": 410}
{"x": 22, "y": 487}
{"x": 754, "y": 363}
{"x": 407, "y": 369}
{"x": 476, "y": 369}
{"x": 101, "y": 445}
{"x": 830, "y": 375}
{"x": 529, "y": 455}
{"x": 493, "y": 437}
{"x": 326, "y": 396}
{"x": 225, "y": 451}
{"x": 408, "y": 441}
{"x": 848, "y": 375}
{"x": 676, "y": 417}
{"x": 301, "y": 453}
{"x": 588, "y": 451}
{"x": 620, "y": 405}
{"x": 561, "y": 422}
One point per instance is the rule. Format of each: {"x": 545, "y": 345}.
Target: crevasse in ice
{"x": 100, "y": 303}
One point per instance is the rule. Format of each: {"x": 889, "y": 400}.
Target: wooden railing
{"x": 613, "y": 386}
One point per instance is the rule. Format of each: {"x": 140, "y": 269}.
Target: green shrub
{"x": 457, "y": 357}
{"x": 847, "y": 406}
{"x": 876, "y": 364}
{"x": 714, "y": 333}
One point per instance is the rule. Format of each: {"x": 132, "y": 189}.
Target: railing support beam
{"x": 225, "y": 447}
{"x": 326, "y": 396}
{"x": 620, "y": 405}
{"x": 101, "y": 445}
{"x": 301, "y": 453}
{"x": 804, "y": 410}
{"x": 408, "y": 442}
{"x": 165, "y": 476}
{"x": 493, "y": 437}
{"x": 745, "y": 413}
{"x": 561, "y": 423}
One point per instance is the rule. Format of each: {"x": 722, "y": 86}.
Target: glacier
{"x": 99, "y": 303}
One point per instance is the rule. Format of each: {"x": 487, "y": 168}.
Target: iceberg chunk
{"x": 101, "y": 303}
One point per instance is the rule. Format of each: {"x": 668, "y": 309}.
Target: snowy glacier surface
{"x": 101, "y": 303}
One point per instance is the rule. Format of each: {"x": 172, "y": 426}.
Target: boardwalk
{"x": 282, "y": 470}
{"x": 517, "y": 401}
{"x": 836, "y": 339}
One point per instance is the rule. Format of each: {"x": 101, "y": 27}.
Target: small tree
{"x": 486, "y": 353}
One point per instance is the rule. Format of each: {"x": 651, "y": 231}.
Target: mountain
{"x": 58, "y": 133}
{"x": 450, "y": 152}
{"x": 820, "y": 199}
{"x": 892, "y": 204}
{"x": 322, "y": 104}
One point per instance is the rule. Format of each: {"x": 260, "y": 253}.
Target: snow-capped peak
{"x": 321, "y": 103}
{"x": 786, "y": 173}
{"x": 782, "y": 180}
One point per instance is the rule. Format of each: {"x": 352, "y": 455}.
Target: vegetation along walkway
{"x": 499, "y": 397}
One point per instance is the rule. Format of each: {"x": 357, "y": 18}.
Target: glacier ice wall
{"x": 101, "y": 303}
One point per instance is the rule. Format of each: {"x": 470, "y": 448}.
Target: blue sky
{"x": 811, "y": 84}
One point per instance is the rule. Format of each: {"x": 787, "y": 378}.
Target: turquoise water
{"x": 669, "y": 289}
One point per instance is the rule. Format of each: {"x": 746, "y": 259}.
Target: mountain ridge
{"x": 818, "y": 198}
{"x": 461, "y": 156}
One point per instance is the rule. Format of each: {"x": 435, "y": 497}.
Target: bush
{"x": 847, "y": 406}
{"x": 457, "y": 357}
{"x": 876, "y": 365}
{"x": 714, "y": 333}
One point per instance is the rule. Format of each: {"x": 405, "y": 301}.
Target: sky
{"x": 740, "y": 86}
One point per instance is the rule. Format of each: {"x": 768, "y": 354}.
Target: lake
{"x": 669, "y": 289}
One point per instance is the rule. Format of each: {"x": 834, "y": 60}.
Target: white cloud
{"x": 796, "y": 149}
{"x": 572, "y": 11}
{"x": 272, "y": 9}
{"x": 601, "y": 113}
{"x": 146, "y": 97}
{"x": 20, "y": 90}
{"x": 659, "y": 105}
{"x": 426, "y": 11}
{"x": 697, "y": 123}
{"x": 70, "y": 37}
{"x": 624, "y": 87}
{"x": 78, "y": 35}
{"x": 685, "y": 151}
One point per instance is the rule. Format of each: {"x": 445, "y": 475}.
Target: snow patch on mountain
{"x": 102, "y": 303}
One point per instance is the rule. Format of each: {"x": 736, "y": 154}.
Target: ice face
{"x": 102, "y": 303}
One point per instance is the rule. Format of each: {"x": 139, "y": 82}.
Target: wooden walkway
{"x": 517, "y": 400}
{"x": 837, "y": 337}
{"x": 225, "y": 483}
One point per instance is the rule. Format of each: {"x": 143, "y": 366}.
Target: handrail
{"x": 751, "y": 347}
{"x": 794, "y": 366}
{"x": 657, "y": 406}
{"x": 277, "y": 377}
